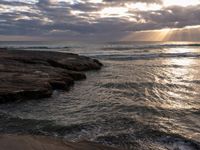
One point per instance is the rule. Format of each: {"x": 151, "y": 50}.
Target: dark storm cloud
{"x": 83, "y": 19}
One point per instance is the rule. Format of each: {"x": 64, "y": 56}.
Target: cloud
{"x": 84, "y": 19}
{"x": 172, "y": 17}
{"x": 136, "y": 1}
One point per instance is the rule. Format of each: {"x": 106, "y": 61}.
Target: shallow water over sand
{"x": 145, "y": 96}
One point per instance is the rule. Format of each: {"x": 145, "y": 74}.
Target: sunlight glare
{"x": 143, "y": 6}
{"x": 114, "y": 12}
{"x": 181, "y": 2}
{"x": 95, "y": 1}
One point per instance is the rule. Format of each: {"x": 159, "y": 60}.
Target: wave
{"x": 143, "y": 84}
{"x": 150, "y": 46}
{"x": 149, "y": 139}
{"x": 137, "y": 90}
{"x": 9, "y": 123}
{"x": 118, "y": 131}
{"x": 35, "y": 47}
{"x": 125, "y": 57}
{"x": 120, "y": 46}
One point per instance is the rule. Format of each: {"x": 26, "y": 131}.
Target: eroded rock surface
{"x": 35, "y": 74}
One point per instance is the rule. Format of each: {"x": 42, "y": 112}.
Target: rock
{"x": 35, "y": 74}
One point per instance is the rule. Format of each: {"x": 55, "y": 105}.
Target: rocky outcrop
{"x": 35, "y": 74}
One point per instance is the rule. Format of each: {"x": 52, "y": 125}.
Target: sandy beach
{"x": 28, "y": 142}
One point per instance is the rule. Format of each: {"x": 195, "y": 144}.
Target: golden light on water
{"x": 176, "y": 75}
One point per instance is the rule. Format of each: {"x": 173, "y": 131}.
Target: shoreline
{"x": 32, "y": 142}
{"x": 36, "y": 74}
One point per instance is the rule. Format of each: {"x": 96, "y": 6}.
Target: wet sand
{"x": 29, "y": 142}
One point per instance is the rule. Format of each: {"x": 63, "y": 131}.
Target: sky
{"x": 100, "y": 20}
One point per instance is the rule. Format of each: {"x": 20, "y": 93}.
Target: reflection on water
{"x": 185, "y": 71}
{"x": 181, "y": 50}
{"x": 183, "y": 98}
{"x": 142, "y": 98}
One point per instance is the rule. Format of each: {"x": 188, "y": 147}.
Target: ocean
{"x": 146, "y": 96}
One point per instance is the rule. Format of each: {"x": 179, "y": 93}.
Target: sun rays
{"x": 189, "y": 33}
{"x": 139, "y": 20}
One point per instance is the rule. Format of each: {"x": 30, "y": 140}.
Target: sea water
{"x": 147, "y": 95}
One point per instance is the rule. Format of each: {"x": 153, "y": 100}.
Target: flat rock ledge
{"x": 35, "y": 74}
{"x": 28, "y": 142}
